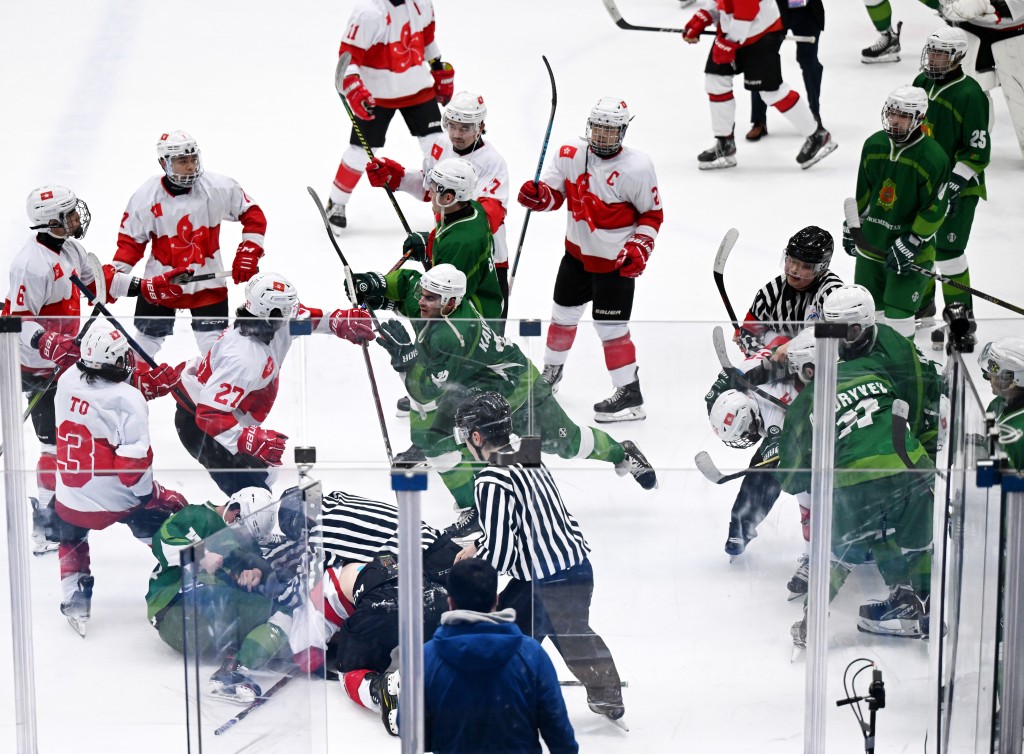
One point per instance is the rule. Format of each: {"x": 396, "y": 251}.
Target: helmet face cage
{"x": 56, "y": 207}
{"x": 178, "y": 144}
{"x": 943, "y": 51}
{"x": 257, "y": 512}
{"x": 903, "y": 113}
{"x": 1002, "y": 364}
{"x": 606, "y": 126}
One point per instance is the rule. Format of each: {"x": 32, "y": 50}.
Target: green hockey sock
{"x": 951, "y": 294}
{"x": 891, "y": 562}
{"x": 881, "y": 14}
{"x": 260, "y": 644}
{"x": 920, "y": 571}
{"x": 459, "y": 482}
{"x": 605, "y": 448}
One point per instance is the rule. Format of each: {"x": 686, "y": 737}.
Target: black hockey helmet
{"x": 813, "y": 245}
{"x": 486, "y": 413}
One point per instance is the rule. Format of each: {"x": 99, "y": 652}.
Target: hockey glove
{"x": 748, "y": 342}
{"x": 359, "y": 97}
{"x": 247, "y": 261}
{"x": 154, "y": 383}
{"x": 60, "y": 349}
{"x": 164, "y": 499}
{"x": 444, "y": 81}
{"x": 415, "y": 246}
{"x": 723, "y": 51}
{"x": 696, "y": 25}
{"x": 371, "y": 288}
{"x": 380, "y": 171}
{"x": 537, "y": 196}
{"x": 264, "y": 444}
{"x": 161, "y": 289}
{"x": 351, "y": 324}
{"x": 959, "y": 11}
{"x": 901, "y": 254}
{"x": 957, "y": 183}
{"x": 395, "y": 338}
{"x": 848, "y": 244}
{"x": 633, "y": 256}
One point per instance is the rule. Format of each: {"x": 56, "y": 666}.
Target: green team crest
{"x": 887, "y": 194}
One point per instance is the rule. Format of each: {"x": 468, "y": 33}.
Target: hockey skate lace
{"x": 883, "y": 42}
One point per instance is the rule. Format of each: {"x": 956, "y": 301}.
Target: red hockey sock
{"x": 74, "y": 558}
{"x": 619, "y": 352}
{"x": 357, "y": 690}
{"x": 347, "y": 178}
{"x": 560, "y": 337}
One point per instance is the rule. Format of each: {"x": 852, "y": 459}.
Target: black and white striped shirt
{"x": 783, "y": 309}
{"x": 355, "y": 529}
{"x": 527, "y": 531}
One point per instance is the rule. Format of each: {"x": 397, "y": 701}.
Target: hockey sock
{"x": 928, "y": 297}
{"x": 794, "y": 107}
{"x": 951, "y": 294}
{"x": 357, "y": 686}
{"x": 559, "y": 341}
{"x": 891, "y": 562}
{"x": 837, "y": 575}
{"x": 46, "y": 476}
{"x": 880, "y": 13}
{"x": 605, "y": 448}
{"x": 920, "y": 566}
{"x": 260, "y": 644}
{"x": 74, "y": 559}
{"x": 459, "y": 482}
{"x": 620, "y": 359}
{"x": 805, "y": 522}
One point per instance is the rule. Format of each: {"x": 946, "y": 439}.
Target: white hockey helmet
{"x": 736, "y": 419}
{"x": 903, "y": 112}
{"x": 257, "y": 511}
{"x": 179, "y": 144}
{"x": 943, "y": 51}
{"x": 269, "y": 294}
{"x": 455, "y": 176}
{"x": 53, "y": 207}
{"x": 1002, "y": 363}
{"x": 105, "y": 352}
{"x": 446, "y": 280}
{"x": 854, "y": 305}
{"x": 800, "y": 355}
{"x": 465, "y": 107}
{"x": 606, "y": 126}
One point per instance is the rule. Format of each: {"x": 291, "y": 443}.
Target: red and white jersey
{"x": 185, "y": 231}
{"x": 104, "y": 457}
{"x": 745, "y": 21}
{"x": 316, "y": 621}
{"x": 608, "y": 200}
{"x": 491, "y": 185}
{"x": 41, "y": 291}
{"x": 785, "y": 390}
{"x": 390, "y": 45}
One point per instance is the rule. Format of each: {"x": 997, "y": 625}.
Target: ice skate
{"x": 403, "y": 407}
{"x": 797, "y": 585}
{"x": 739, "y": 538}
{"x": 886, "y": 49}
{"x": 900, "y": 615}
{"x": 411, "y": 458}
{"x": 816, "y": 148}
{"x": 233, "y": 683}
{"x": 77, "y": 609}
{"x": 553, "y": 375}
{"x": 637, "y": 465}
{"x": 721, "y": 155}
{"x": 798, "y": 632}
{"x": 41, "y": 517}
{"x": 925, "y": 316}
{"x": 466, "y": 529}
{"x": 612, "y": 711}
{"x": 385, "y": 688}
{"x": 336, "y": 216}
{"x": 626, "y": 404}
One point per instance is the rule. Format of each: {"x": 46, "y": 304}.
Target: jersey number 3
{"x": 76, "y": 454}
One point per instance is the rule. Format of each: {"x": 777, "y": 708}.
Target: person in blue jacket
{"x": 488, "y": 687}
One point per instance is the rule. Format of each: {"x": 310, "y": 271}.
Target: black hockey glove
{"x": 749, "y": 343}
{"x": 393, "y": 336}
{"x": 848, "y": 244}
{"x": 954, "y": 188}
{"x": 416, "y": 246}
{"x": 371, "y": 288}
{"x": 901, "y": 254}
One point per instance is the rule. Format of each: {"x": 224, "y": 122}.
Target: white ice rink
{"x": 87, "y": 88}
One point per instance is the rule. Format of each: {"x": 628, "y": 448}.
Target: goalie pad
{"x": 1009, "y": 57}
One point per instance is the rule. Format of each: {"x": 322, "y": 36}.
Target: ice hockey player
{"x": 748, "y": 41}
{"x": 614, "y": 212}
{"x": 391, "y": 43}
{"x": 104, "y": 460}
{"x": 464, "y": 128}
{"x": 181, "y": 212}
{"x": 1002, "y": 364}
{"x": 42, "y": 294}
{"x": 234, "y": 385}
{"x": 902, "y": 198}
{"x": 885, "y": 49}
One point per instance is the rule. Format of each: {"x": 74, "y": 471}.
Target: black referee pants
{"x": 558, "y": 608}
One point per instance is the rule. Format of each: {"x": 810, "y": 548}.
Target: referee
{"x": 528, "y": 534}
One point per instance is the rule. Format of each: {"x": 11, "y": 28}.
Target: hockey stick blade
{"x": 718, "y": 338}
{"x": 900, "y": 413}
{"x": 724, "y": 249}
{"x": 707, "y": 467}
{"x": 187, "y": 277}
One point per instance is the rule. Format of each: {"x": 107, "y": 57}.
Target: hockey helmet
{"x": 465, "y": 107}
{"x": 454, "y": 176}
{"x": 855, "y": 306}
{"x": 486, "y": 413}
{"x": 270, "y": 295}
{"x": 56, "y": 207}
{"x": 943, "y": 51}
{"x": 105, "y": 353}
{"x": 174, "y": 145}
{"x": 903, "y": 112}
{"x": 606, "y": 126}
{"x": 1002, "y": 363}
{"x": 736, "y": 419}
{"x": 447, "y": 281}
{"x": 812, "y": 245}
{"x": 800, "y": 355}
{"x": 257, "y": 511}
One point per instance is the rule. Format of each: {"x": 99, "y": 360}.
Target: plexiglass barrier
{"x": 694, "y": 587}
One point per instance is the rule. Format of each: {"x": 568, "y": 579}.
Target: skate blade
{"x": 824, "y": 152}
{"x": 620, "y": 723}
{"x": 402, "y": 414}
{"x": 719, "y": 164}
{"x": 78, "y": 624}
{"x": 903, "y": 632}
{"x": 45, "y": 549}
{"x": 796, "y": 653}
{"x": 795, "y": 596}
{"x": 230, "y": 696}
{"x": 626, "y": 415}
{"x": 891, "y": 58}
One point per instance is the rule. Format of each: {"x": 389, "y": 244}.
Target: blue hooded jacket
{"x": 489, "y": 688}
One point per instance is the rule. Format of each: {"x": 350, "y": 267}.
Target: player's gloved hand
{"x": 380, "y": 171}
{"x": 264, "y": 444}
{"x": 634, "y": 254}
{"x": 536, "y": 196}
{"x": 60, "y": 349}
{"x": 444, "y": 81}
{"x": 247, "y": 261}
{"x": 748, "y": 342}
{"x": 162, "y": 289}
{"x": 415, "y": 246}
{"x": 153, "y": 383}
{"x": 359, "y": 97}
{"x": 723, "y": 50}
{"x": 967, "y": 10}
{"x": 396, "y": 339}
{"x": 901, "y": 254}
{"x": 351, "y": 324}
{"x": 956, "y": 185}
{"x": 697, "y": 24}
{"x": 848, "y": 244}
{"x": 371, "y": 288}
{"x": 164, "y": 499}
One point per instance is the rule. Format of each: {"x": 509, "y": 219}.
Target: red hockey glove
{"x": 154, "y": 383}
{"x": 359, "y": 97}
{"x": 380, "y": 171}
{"x": 60, "y": 349}
{"x": 264, "y": 444}
{"x": 723, "y": 51}
{"x": 166, "y": 500}
{"x": 700, "y": 21}
{"x": 161, "y": 290}
{"x": 352, "y": 324}
{"x": 444, "y": 81}
{"x": 633, "y": 257}
{"x": 536, "y": 196}
{"x": 247, "y": 261}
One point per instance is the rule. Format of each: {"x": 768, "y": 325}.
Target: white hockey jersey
{"x": 390, "y": 45}
{"x": 41, "y": 291}
{"x": 608, "y": 200}
{"x": 104, "y": 455}
{"x": 185, "y": 231}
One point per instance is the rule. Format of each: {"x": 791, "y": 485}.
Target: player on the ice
{"x": 1002, "y": 363}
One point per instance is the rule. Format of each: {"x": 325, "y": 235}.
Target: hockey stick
{"x": 622, "y": 23}
{"x": 186, "y": 277}
{"x": 724, "y": 249}
{"x": 853, "y": 223}
{"x": 373, "y": 318}
{"x": 339, "y": 87}
{"x": 707, "y": 467}
{"x": 536, "y": 180}
{"x": 718, "y": 337}
{"x": 255, "y": 703}
{"x": 900, "y": 412}
{"x": 574, "y": 682}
